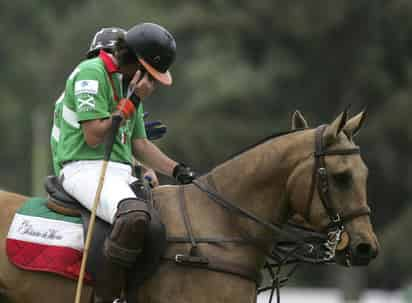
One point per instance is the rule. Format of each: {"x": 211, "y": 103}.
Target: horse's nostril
{"x": 364, "y": 250}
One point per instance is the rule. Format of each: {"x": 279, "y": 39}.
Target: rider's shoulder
{"x": 86, "y": 71}
{"x": 89, "y": 67}
{"x": 92, "y": 65}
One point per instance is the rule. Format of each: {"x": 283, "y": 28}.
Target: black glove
{"x": 183, "y": 174}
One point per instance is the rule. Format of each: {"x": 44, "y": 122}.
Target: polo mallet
{"x": 116, "y": 120}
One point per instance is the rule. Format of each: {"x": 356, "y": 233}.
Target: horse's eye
{"x": 343, "y": 179}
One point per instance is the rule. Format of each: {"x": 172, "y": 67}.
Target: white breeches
{"x": 81, "y": 179}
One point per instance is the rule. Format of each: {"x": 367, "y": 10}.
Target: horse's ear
{"x": 332, "y": 130}
{"x": 354, "y": 124}
{"x": 298, "y": 121}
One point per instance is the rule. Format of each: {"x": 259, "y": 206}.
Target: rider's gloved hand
{"x": 155, "y": 129}
{"x": 151, "y": 177}
{"x": 126, "y": 107}
{"x": 183, "y": 174}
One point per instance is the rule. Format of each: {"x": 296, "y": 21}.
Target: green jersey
{"x": 55, "y": 133}
{"x": 88, "y": 96}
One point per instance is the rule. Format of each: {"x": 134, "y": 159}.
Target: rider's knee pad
{"x": 132, "y": 216}
{"x": 130, "y": 206}
{"x": 126, "y": 240}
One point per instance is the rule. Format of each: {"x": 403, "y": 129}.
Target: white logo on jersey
{"x": 86, "y": 87}
{"x": 86, "y": 104}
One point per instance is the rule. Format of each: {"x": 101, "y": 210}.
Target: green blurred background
{"x": 242, "y": 68}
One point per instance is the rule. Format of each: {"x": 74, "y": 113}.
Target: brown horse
{"x": 273, "y": 180}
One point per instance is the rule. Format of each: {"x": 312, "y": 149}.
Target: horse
{"x": 316, "y": 173}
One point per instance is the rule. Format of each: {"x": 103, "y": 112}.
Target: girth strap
{"x": 186, "y": 220}
{"x": 211, "y": 240}
{"x": 218, "y": 265}
{"x": 197, "y": 260}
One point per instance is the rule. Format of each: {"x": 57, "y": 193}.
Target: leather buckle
{"x": 186, "y": 259}
{"x": 336, "y": 218}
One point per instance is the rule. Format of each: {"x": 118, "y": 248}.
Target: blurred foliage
{"x": 396, "y": 254}
{"x": 242, "y": 68}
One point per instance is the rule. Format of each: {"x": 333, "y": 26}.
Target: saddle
{"x": 60, "y": 201}
{"x": 155, "y": 239}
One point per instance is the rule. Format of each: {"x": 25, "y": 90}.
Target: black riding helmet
{"x": 105, "y": 39}
{"x": 154, "y": 48}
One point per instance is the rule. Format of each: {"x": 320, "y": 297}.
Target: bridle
{"x": 335, "y": 228}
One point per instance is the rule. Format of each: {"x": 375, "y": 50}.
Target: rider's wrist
{"x": 126, "y": 107}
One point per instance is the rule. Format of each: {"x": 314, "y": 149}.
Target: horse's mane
{"x": 263, "y": 140}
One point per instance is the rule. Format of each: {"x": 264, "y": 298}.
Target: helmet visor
{"x": 164, "y": 78}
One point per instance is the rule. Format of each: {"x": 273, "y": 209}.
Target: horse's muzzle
{"x": 362, "y": 253}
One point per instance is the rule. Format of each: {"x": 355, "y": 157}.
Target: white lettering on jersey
{"x": 86, "y": 87}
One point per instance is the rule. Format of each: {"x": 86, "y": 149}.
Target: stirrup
{"x": 118, "y": 300}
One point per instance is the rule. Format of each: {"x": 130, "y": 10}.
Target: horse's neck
{"x": 256, "y": 180}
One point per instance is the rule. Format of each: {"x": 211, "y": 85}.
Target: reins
{"x": 215, "y": 197}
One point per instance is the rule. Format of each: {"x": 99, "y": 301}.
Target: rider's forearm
{"x": 96, "y": 130}
{"x": 150, "y": 155}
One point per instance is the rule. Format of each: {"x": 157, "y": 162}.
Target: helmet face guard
{"x": 105, "y": 39}
{"x": 154, "y": 48}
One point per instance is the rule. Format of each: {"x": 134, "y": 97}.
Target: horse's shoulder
{"x": 9, "y": 197}
{"x": 172, "y": 192}
{"x": 9, "y": 204}
{"x": 165, "y": 194}
{"x": 165, "y": 190}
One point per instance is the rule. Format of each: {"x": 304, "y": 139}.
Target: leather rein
{"x": 329, "y": 240}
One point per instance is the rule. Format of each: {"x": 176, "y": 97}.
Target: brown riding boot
{"x": 122, "y": 248}
{"x": 126, "y": 240}
{"x": 109, "y": 282}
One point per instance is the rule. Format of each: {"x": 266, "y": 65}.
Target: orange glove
{"x": 126, "y": 107}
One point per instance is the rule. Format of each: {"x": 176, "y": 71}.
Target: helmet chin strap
{"x": 128, "y": 66}
{"x": 125, "y": 56}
